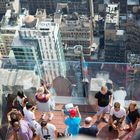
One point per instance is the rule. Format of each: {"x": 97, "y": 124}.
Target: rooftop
{"x": 120, "y": 32}
{"x": 24, "y": 43}
{"x": 75, "y": 21}
{"x": 10, "y": 20}
{"x": 133, "y": 2}
{"x": 45, "y": 25}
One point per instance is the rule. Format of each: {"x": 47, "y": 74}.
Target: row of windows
{"x": 77, "y": 42}
{"x": 8, "y": 31}
{"x": 75, "y": 35}
{"x": 3, "y": 51}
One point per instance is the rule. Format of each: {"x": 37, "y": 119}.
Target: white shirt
{"x": 30, "y": 118}
{"x": 51, "y": 131}
{"x": 29, "y": 115}
{"x": 20, "y": 100}
{"x": 119, "y": 114}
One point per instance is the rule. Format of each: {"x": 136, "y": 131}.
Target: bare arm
{"x": 13, "y": 103}
{"x": 48, "y": 96}
{"x": 55, "y": 134}
{"x": 49, "y": 93}
{"x": 77, "y": 108}
{"x": 135, "y": 124}
{"x": 110, "y": 119}
{"x": 110, "y": 100}
{"x": 122, "y": 119}
{"x": 9, "y": 113}
{"x": 96, "y": 105}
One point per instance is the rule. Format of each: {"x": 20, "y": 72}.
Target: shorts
{"x": 103, "y": 110}
{"x": 117, "y": 120}
{"x": 127, "y": 120}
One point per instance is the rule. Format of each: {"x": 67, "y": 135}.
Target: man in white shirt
{"x": 117, "y": 116}
{"x": 30, "y": 118}
{"x": 48, "y": 130}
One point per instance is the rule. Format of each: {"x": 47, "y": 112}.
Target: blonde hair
{"x": 40, "y": 90}
{"x": 134, "y": 103}
{"x": 103, "y": 88}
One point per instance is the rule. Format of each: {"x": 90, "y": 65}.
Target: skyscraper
{"x": 2, "y": 6}
{"x": 48, "y": 36}
{"x": 33, "y": 5}
{"x": 36, "y": 44}
{"x": 80, "y": 6}
{"x": 76, "y": 30}
{"x": 114, "y": 37}
{"x": 9, "y": 26}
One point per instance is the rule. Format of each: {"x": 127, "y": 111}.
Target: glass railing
{"x": 68, "y": 79}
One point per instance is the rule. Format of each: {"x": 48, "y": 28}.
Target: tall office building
{"x": 49, "y": 40}
{"x": 114, "y": 37}
{"x": 80, "y": 6}
{"x": 9, "y": 26}
{"x": 24, "y": 4}
{"x": 27, "y": 54}
{"x": 33, "y": 5}
{"x": 133, "y": 31}
{"x": 2, "y": 6}
{"x": 123, "y": 7}
{"x": 36, "y": 40}
{"x": 8, "y": 4}
{"x": 76, "y": 30}
{"x": 3, "y": 51}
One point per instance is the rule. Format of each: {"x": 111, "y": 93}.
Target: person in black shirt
{"x": 88, "y": 129}
{"x": 132, "y": 117}
{"x": 103, "y": 102}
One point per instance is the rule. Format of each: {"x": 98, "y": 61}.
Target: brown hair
{"x": 43, "y": 123}
{"x": 117, "y": 104}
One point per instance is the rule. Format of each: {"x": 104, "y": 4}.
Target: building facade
{"x": 35, "y": 40}
{"x": 48, "y": 36}
{"x": 2, "y": 6}
{"x": 114, "y": 37}
{"x": 76, "y": 30}
{"x": 33, "y": 5}
{"x": 9, "y": 26}
{"x": 80, "y": 6}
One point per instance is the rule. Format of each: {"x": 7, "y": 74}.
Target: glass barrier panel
{"x": 78, "y": 79}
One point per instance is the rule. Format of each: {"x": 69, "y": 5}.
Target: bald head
{"x": 88, "y": 120}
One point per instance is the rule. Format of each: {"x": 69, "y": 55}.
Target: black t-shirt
{"x": 103, "y": 99}
{"x": 134, "y": 115}
{"x": 91, "y": 131}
